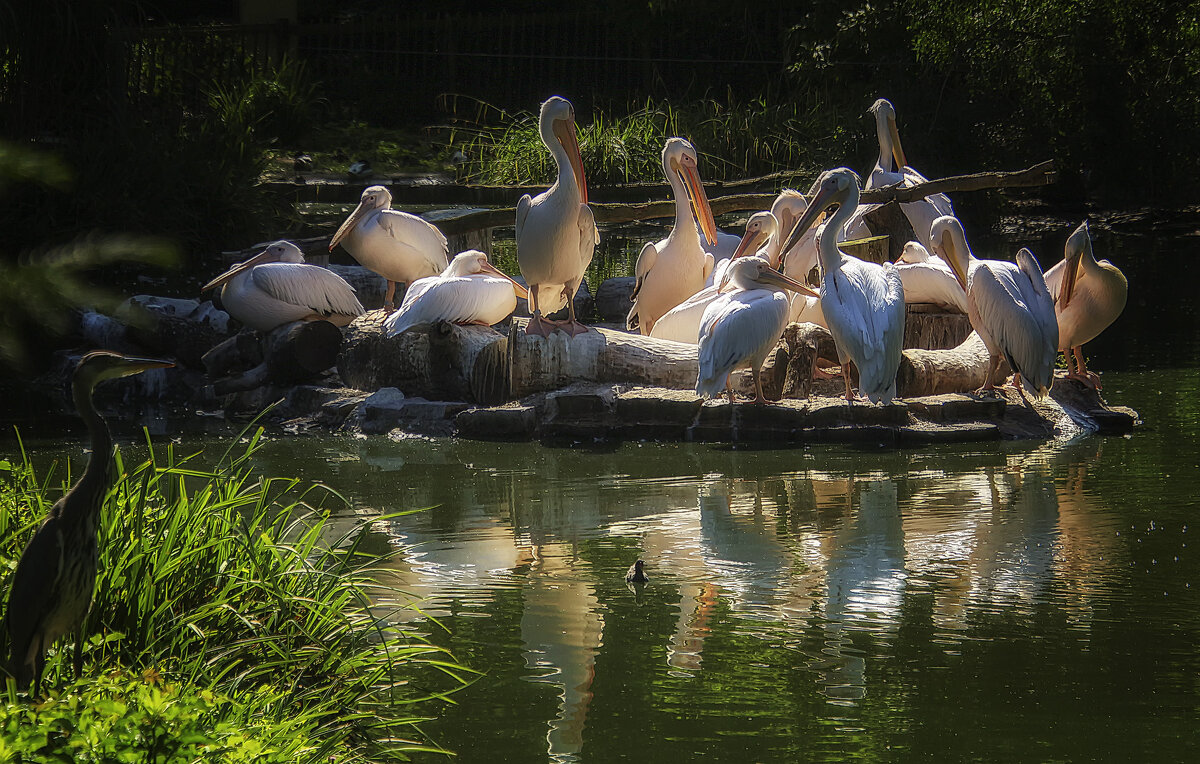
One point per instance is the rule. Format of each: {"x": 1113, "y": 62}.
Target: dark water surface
{"x": 991, "y": 602}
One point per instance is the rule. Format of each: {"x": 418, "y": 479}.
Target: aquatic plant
{"x": 236, "y": 585}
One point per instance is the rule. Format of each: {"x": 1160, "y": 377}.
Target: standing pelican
{"x": 1009, "y": 306}
{"x": 1088, "y": 295}
{"x": 671, "y": 270}
{"x": 556, "y": 233}
{"x": 277, "y": 287}
{"x": 741, "y": 327}
{"x": 682, "y": 323}
{"x": 928, "y": 279}
{"x": 398, "y": 246}
{"x": 470, "y": 291}
{"x": 862, "y": 303}
{"x": 891, "y": 168}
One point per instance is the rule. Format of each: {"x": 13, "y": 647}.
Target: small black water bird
{"x": 637, "y": 573}
{"x": 52, "y": 587}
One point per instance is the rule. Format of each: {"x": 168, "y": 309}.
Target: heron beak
{"x": 224, "y": 278}
{"x": 521, "y": 291}
{"x": 133, "y": 365}
{"x": 950, "y": 255}
{"x": 818, "y": 205}
{"x": 348, "y": 224}
{"x": 776, "y": 278}
{"x": 700, "y": 206}
{"x": 564, "y": 130}
{"x": 897, "y": 149}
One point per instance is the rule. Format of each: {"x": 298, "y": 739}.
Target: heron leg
{"x": 537, "y": 325}
{"x": 39, "y": 665}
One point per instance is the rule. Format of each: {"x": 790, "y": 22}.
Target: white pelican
{"x": 398, "y": 246}
{"x": 277, "y": 287}
{"x": 671, "y": 270}
{"x": 1088, "y": 295}
{"x": 556, "y": 233}
{"x": 863, "y": 303}
{"x": 470, "y": 291}
{"x": 923, "y": 212}
{"x": 928, "y": 279}
{"x": 682, "y": 323}
{"x": 741, "y": 327}
{"x": 1009, "y": 306}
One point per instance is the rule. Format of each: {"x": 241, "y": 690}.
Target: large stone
{"x": 368, "y": 285}
{"x": 512, "y": 422}
{"x": 612, "y": 298}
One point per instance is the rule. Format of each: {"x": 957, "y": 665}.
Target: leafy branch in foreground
{"x": 236, "y": 586}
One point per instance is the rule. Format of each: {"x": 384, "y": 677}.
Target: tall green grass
{"x": 233, "y": 590}
{"x": 736, "y": 138}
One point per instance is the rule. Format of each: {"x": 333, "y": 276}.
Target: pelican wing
{"x": 310, "y": 286}
{"x": 645, "y": 263}
{"x": 682, "y": 323}
{"x": 589, "y": 236}
{"x": 523, "y": 206}
{"x": 418, "y": 234}
{"x": 1016, "y": 317}
{"x": 737, "y": 327}
{"x": 863, "y": 304}
{"x": 457, "y": 299}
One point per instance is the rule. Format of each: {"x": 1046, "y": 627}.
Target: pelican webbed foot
{"x": 572, "y": 327}
{"x": 540, "y": 326}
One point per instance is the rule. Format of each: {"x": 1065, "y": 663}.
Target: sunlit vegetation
{"x": 230, "y": 618}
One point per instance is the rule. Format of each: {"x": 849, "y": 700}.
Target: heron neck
{"x": 96, "y": 474}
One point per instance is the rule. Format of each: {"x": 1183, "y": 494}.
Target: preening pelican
{"x": 892, "y": 168}
{"x": 928, "y": 279}
{"x": 863, "y": 303}
{"x": 1009, "y": 305}
{"x": 741, "y": 327}
{"x": 1088, "y": 296}
{"x": 671, "y": 270}
{"x": 470, "y": 291}
{"x": 398, "y": 246}
{"x": 556, "y": 233}
{"x": 682, "y": 323}
{"x": 277, "y": 287}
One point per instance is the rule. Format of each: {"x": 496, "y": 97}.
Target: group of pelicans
{"x": 729, "y": 295}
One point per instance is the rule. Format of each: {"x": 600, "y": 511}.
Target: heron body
{"x": 1008, "y": 303}
{"x": 862, "y": 303}
{"x": 682, "y": 323}
{"x": 397, "y": 245}
{"x": 277, "y": 287}
{"x": 470, "y": 291}
{"x": 55, "y": 578}
{"x": 741, "y": 327}
{"x": 675, "y": 268}
{"x": 928, "y": 279}
{"x": 556, "y": 232}
{"x": 1088, "y": 296}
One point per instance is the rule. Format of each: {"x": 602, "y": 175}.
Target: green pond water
{"x": 1012, "y": 601}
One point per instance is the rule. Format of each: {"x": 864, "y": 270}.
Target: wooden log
{"x": 873, "y": 249}
{"x": 241, "y": 351}
{"x": 291, "y": 354}
{"x": 932, "y": 327}
{"x": 957, "y": 370}
{"x": 888, "y": 219}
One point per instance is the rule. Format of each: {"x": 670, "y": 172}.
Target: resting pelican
{"x": 741, "y": 327}
{"x": 277, "y": 287}
{"x": 1009, "y": 306}
{"x": 1088, "y": 295}
{"x": 470, "y": 291}
{"x": 556, "y": 233}
{"x": 863, "y": 303}
{"x": 398, "y": 246}
{"x": 928, "y": 279}
{"x": 682, "y": 323}
{"x": 671, "y": 270}
{"x": 923, "y": 212}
